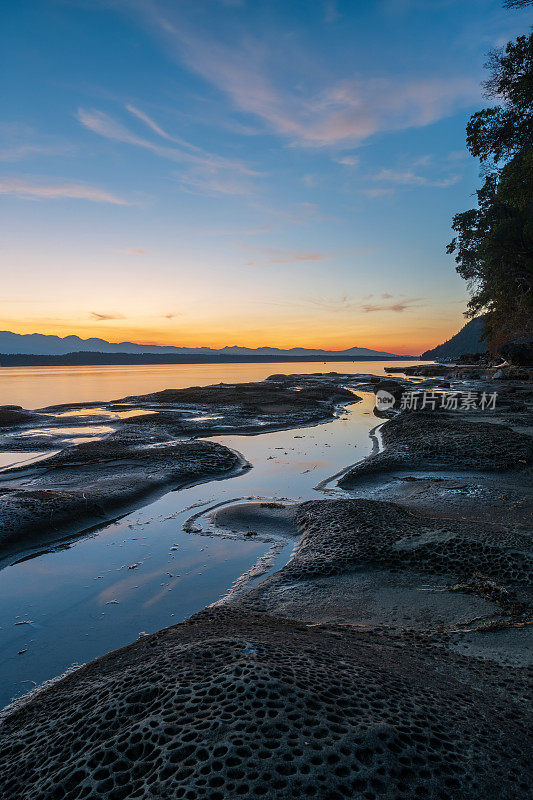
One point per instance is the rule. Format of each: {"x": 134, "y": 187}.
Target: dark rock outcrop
{"x": 519, "y": 351}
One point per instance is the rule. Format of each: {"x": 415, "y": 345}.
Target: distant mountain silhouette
{"x": 467, "y": 340}
{"x": 47, "y": 345}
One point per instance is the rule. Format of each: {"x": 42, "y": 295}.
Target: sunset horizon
{"x": 271, "y": 340}
{"x": 272, "y": 174}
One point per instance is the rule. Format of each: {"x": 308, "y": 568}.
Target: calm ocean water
{"x": 36, "y": 387}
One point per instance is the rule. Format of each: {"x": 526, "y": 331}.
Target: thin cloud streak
{"x": 19, "y": 187}
{"x": 285, "y": 257}
{"x": 348, "y": 161}
{"x": 104, "y": 317}
{"x": 160, "y": 132}
{"x": 398, "y": 308}
{"x": 150, "y": 122}
{"x": 20, "y": 152}
{"x": 410, "y": 178}
{"x": 104, "y": 125}
{"x": 206, "y": 173}
{"x": 345, "y": 303}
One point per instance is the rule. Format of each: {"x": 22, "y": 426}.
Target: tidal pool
{"x": 69, "y": 604}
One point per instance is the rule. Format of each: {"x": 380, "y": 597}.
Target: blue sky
{"x": 240, "y": 172}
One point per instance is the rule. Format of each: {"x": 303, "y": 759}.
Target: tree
{"x": 516, "y": 3}
{"x": 494, "y": 243}
{"x": 501, "y": 132}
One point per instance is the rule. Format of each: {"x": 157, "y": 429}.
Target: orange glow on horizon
{"x": 402, "y": 337}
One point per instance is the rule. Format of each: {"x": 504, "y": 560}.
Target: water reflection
{"x": 143, "y": 572}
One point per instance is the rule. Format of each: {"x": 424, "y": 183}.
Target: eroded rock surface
{"x": 242, "y": 705}
{"x": 440, "y": 440}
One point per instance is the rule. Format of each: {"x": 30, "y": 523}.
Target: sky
{"x": 240, "y": 172}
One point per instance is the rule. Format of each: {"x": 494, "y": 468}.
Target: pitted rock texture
{"x": 342, "y": 535}
{"x": 438, "y": 440}
{"x": 231, "y": 705}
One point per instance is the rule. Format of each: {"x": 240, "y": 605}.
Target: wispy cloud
{"x": 410, "y": 178}
{"x": 164, "y": 134}
{"x": 347, "y": 161}
{"x": 458, "y": 155}
{"x": 398, "y": 307}
{"x": 348, "y": 109}
{"x": 203, "y": 181}
{"x": 311, "y": 181}
{"x": 134, "y": 251}
{"x": 337, "y": 304}
{"x": 29, "y": 190}
{"x": 101, "y": 317}
{"x": 206, "y": 173}
{"x": 22, "y": 151}
{"x": 19, "y": 141}
{"x": 345, "y": 303}
{"x": 272, "y": 256}
{"x": 374, "y": 192}
{"x": 150, "y": 122}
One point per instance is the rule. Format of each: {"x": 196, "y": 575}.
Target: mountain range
{"x": 44, "y": 344}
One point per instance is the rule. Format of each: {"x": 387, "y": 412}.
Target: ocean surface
{"x": 71, "y": 603}
{"x": 36, "y": 387}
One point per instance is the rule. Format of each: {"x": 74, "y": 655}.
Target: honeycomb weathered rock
{"x": 235, "y": 705}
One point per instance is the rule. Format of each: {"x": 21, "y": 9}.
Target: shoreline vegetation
{"x": 387, "y": 658}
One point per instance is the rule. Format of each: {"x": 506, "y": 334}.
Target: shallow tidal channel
{"x": 67, "y": 605}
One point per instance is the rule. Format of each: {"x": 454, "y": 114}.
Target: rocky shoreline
{"x": 387, "y": 659}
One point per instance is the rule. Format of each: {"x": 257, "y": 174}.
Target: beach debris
{"x": 251, "y": 533}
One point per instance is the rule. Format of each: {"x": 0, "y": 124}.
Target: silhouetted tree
{"x": 494, "y": 243}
